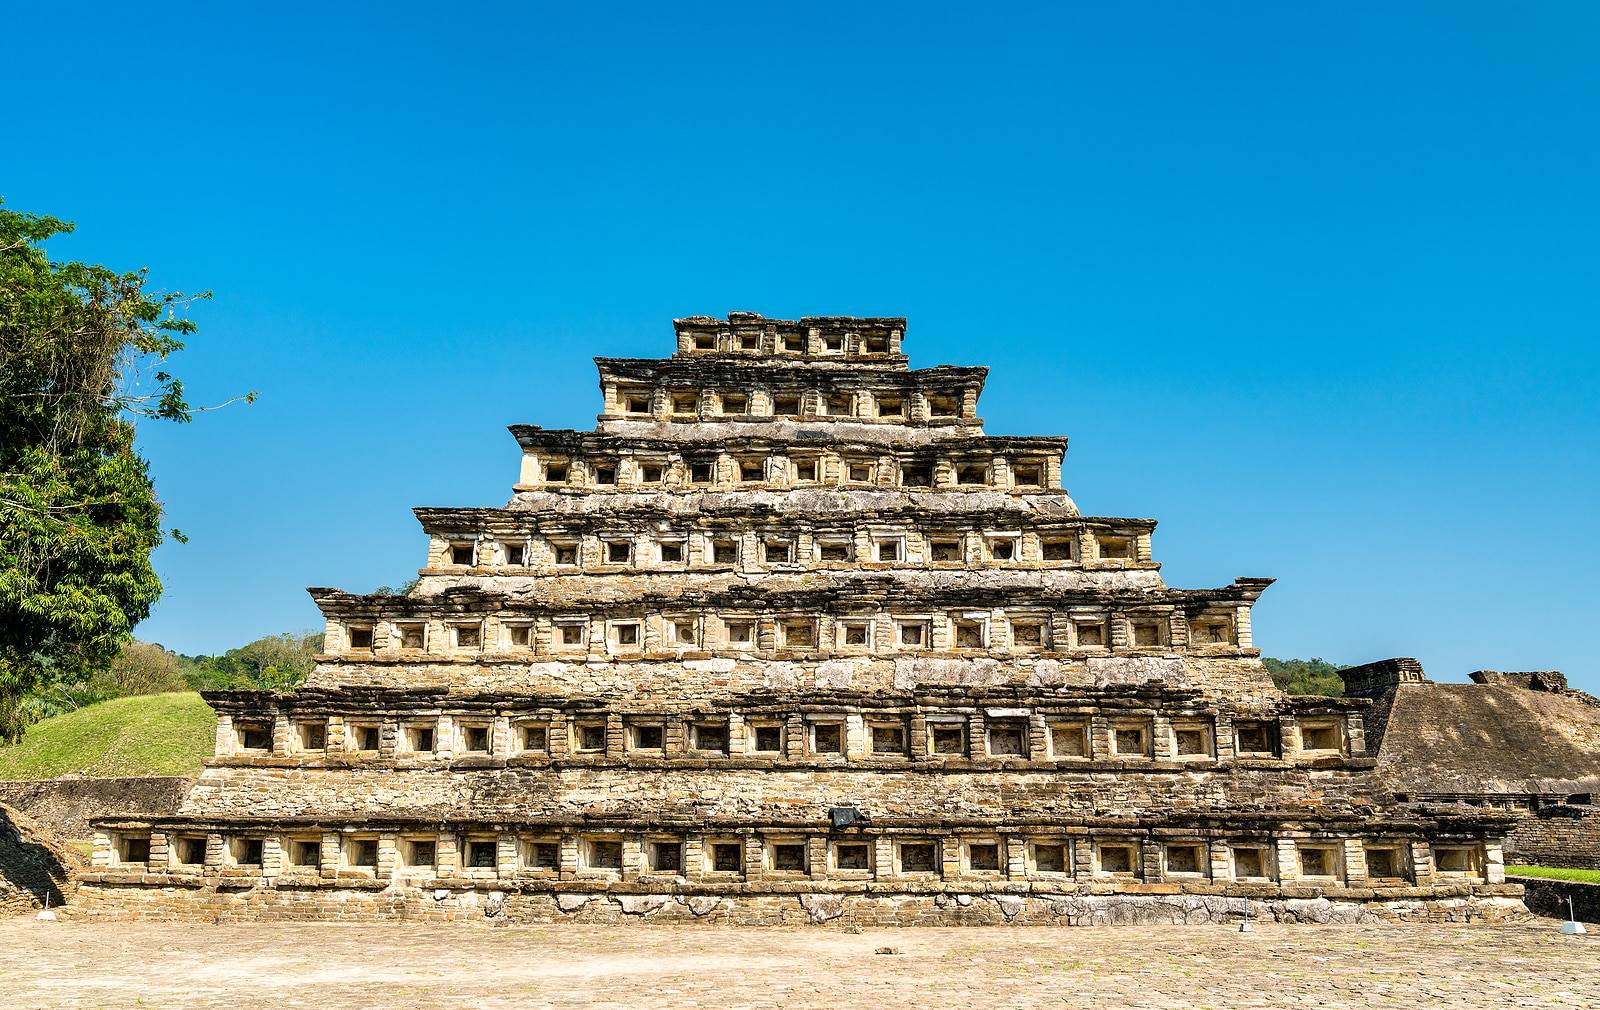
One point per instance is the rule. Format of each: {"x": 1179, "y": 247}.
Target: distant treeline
{"x": 277, "y": 662}
{"x": 1306, "y": 676}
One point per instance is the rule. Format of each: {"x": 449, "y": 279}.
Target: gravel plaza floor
{"x": 82, "y": 964}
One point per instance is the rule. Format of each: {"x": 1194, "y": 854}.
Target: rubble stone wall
{"x": 1567, "y": 835}
{"x": 1481, "y": 904}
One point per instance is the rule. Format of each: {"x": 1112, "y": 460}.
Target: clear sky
{"x": 1314, "y": 285}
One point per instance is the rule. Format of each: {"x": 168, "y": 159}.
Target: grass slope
{"x": 154, "y": 734}
{"x": 1555, "y": 873}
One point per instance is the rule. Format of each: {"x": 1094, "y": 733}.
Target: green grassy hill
{"x": 153, "y": 734}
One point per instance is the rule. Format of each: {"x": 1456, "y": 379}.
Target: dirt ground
{"x": 400, "y": 966}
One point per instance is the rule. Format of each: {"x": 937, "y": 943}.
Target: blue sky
{"x": 1314, "y": 286}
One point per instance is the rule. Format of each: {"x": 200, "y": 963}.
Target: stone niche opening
{"x": 636, "y": 401}
{"x": 364, "y": 736}
{"x": 1191, "y": 740}
{"x": 664, "y": 855}
{"x": 948, "y": 739}
{"x": 1187, "y": 858}
{"x": 421, "y": 738}
{"x": 603, "y": 854}
{"x": 709, "y": 736}
{"x": 1027, "y": 634}
{"x": 1321, "y": 735}
{"x": 1386, "y": 862}
{"x": 767, "y": 738}
{"x": 1117, "y": 858}
{"x": 855, "y": 633}
{"x": 253, "y": 734}
{"x": 827, "y": 738}
{"x": 777, "y": 552}
{"x": 1090, "y": 633}
{"x": 647, "y": 736}
{"x": 1318, "y": 860}
{"x": 1008, "y": 738}
{"x": 685, "y": 404}
{"x": 480, "y": 853}
{"x": 535, "y": 737}
{"x": 983, "y": 857}
{"x": 1028, "y": 475}
{"x": 191, "y": 850}
{"x": 787, "y": 856}
{"x": 412, "y": 635}
{"x": 1255, "y": 737}
{"x": 852, "y": 857}
{"x": 360, "y": 637}
{"x": 727, "y": 856}
{"x": 835, "y": 549}
{"x": 305, "y": 853}
{"x": 888, "y": 739}
{"x": 542, "y": 855}
{"x": 1069, "y": 738}
{"x": 1056, "y": 549}
{"x": 475, "y": 738}
{"x": 1050, "y": 857}
{"x": 971, "y": 634}
{"x": 420, "y": 853}
{"x": 1130, "y": 740}
{"x": 918, "y": 856}
{"x": 1459, "y": 860}
{"x": 245, "y": 852}
{"x": 1114, "y": 548}
{"x": 463, "y": 553}
{"x": 786, "y": 404}
{"x": 702, "y": 473}
{"x": 591, "y": 736}
{"x": 1252, "y": 862}
{"x": 741, "y": 633}
{"x": 945, "y": 550}
{"x": 972, "y": 474}
{"x": 797, "y": 633}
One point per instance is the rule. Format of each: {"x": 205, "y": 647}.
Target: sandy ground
{"x": 400, "y": 966}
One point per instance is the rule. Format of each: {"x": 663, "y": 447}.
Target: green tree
{"x": 81, "y": 350}
{"x": 277, "y": 663}
{"x": 1306, "y": 676}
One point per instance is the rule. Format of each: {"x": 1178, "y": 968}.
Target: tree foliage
{"x": 81, "y": 355}
{"x": 1306, "y": 676}
{"x": 275, "y": 663}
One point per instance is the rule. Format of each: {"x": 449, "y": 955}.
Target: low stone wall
{"x": 1549, "y": 898}
{"x": 1485, "y": 903}
{"x": 1564, "y": 835}
{"x": 35, "y": 868}
{"x": 66, "y": 806}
